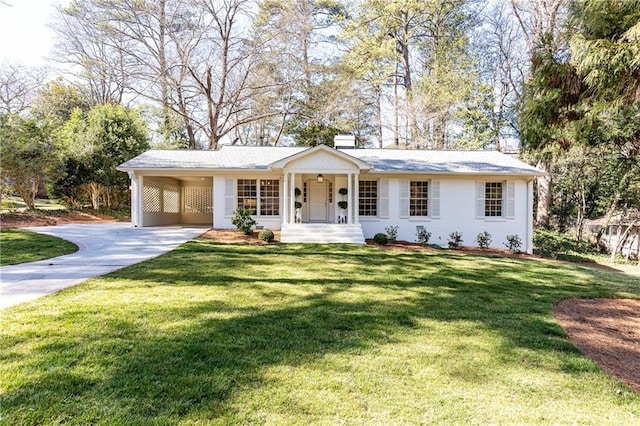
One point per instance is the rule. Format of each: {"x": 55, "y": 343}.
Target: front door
{"x": 317, "y": 201}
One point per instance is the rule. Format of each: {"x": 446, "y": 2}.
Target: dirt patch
{"x": 236, "y": 237}
{"x": 21, "y": 220}
{"x": 606, "y": 331}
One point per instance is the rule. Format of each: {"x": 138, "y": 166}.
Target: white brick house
{"x": 443, "y": 191}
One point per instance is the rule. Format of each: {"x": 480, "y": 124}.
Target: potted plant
{"x": 342, "y": 218}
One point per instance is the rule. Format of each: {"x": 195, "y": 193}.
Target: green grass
{"x": 43, "y": 204}
{"x": 310, "y": 334}
{"x": 20, "y": 246}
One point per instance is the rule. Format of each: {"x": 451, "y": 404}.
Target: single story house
{"x": 342, "y": 194}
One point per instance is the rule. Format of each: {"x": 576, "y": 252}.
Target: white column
{"x": 134, "y": 198}
{"x": 356, "y": 198}
{"x": 285, "y": 199}
{"x": 349, "y": 197}
{"x": 140, "y": 202}
{"x": 292, "y": 197}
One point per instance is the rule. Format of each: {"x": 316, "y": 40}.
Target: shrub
{"x": 455, "y": 240}
{"x": 342, "y": 204}
{"x": 298, "y": 205}
{"x": 484, "y": 240}
{"x": 381, "y": 239}
{"x": 513, "y": 243}
{"x": 242, "y": 219}
{"x": 558, "y": 245}
{"x": 266, "y": 235}
{"x": 297, "y": 192}
{"x": 422, "y": 236}
{"x": 342, "y": 191}
{"x": 392, "y": 233}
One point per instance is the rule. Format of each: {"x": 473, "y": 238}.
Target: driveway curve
{"x": 103, "y": 248}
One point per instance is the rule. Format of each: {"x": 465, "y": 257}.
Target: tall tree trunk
{"x": 544, "y": 195}
{"x": 396, "y": 109}
{"x": 164, "y": 83}
{"x": 620, "y": 243}
{"x": 378, "y": 95}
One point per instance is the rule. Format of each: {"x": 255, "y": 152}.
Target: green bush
{"x": 381, "y": 238}
{"x": 343, "y": 204}
{"x": 558, "y": 245}
{"x": 266, "y": 235}
{"x": 484, "y": 240}
{"x": 392, "y": 233}
{"x": 242, "y": 219}
{"x": 513, "y": 243}
{"x": 422, "y": 236}
{"x": 455, "y": 240}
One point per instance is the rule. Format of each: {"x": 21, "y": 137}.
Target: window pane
{"x": 269, "y": 197}
{"x": 493, "y": 199}
{"x": 368, "y": 198}
{"x": 247, "y": 193}
{"x": 419, "y": 198}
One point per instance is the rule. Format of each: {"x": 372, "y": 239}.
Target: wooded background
{"x": 557, "y": 80}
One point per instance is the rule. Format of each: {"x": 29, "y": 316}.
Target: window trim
{"x": 427, "y": 200}
{"x": 259, "y": 196}
{"x": 433, "y": 199}
{"x": 365, "y": 217}
{"x": 508, "y": 200}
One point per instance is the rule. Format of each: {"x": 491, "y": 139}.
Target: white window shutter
{"x": 404, "y": 198}
{"x": 434, "y": 208}
{"x": 229, "y": 197}
{"x": 511, "y": 200}
{"x": 480, "y": 188}
{"x": 383, "y": 199}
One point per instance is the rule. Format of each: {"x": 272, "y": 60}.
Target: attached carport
{"x": 172, "y": 200}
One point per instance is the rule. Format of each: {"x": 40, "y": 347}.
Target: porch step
{"x": 321, "y": 233}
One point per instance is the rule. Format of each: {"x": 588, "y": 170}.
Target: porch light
{"x": 320, "y": 178}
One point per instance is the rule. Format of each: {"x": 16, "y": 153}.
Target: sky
{"x": 24, "y": 36}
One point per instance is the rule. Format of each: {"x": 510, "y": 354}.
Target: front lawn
{"x": 20, "y": 246}
{"x": 310, "y": 334}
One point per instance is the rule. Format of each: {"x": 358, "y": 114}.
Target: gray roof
{"x": 381, "y": 160}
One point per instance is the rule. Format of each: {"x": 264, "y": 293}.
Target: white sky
{"x": 24, "y": 36}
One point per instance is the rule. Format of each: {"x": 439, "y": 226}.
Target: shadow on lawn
{"x": 122, "y": 371}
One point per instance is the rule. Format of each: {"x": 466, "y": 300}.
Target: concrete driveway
{"x": 104, "y": 247}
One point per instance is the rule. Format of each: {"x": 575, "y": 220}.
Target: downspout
{"x": 529, "y": 236}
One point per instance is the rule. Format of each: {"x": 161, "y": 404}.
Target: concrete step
{"x": 321, "y": 233}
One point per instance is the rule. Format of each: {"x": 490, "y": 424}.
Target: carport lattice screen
{"x": 197, "y": 199}
{"x": 160, "y": 197}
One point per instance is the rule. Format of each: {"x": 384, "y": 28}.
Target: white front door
{"x": 318, "y": 202}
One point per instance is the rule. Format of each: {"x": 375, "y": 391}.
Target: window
{"x": 269, "y": 197}
{"x": 419, "y": 198}
{"x": 247, "y": 193}
{"x": 368, "y": 198}
{"x": 493, "y": 199}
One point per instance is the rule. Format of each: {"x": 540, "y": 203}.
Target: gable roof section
{"x": 319, "y": 149}
{"x": 444, "y": 162}
{"x": 226, "y": 158}
{"x": 377, "y": 160}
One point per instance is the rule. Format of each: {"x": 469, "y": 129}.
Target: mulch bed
{"x": 606, "y": 331}
{"x": 237, "y": 237}
{"x": 21, "y": 220}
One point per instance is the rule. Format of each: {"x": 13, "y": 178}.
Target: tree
{"x": 18, "y": 87}
{"x": 95, "y": 144}
{"x": 26, "y": 154}
{"x": 423, "y": 48}
{"x": 587, "y": 96}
